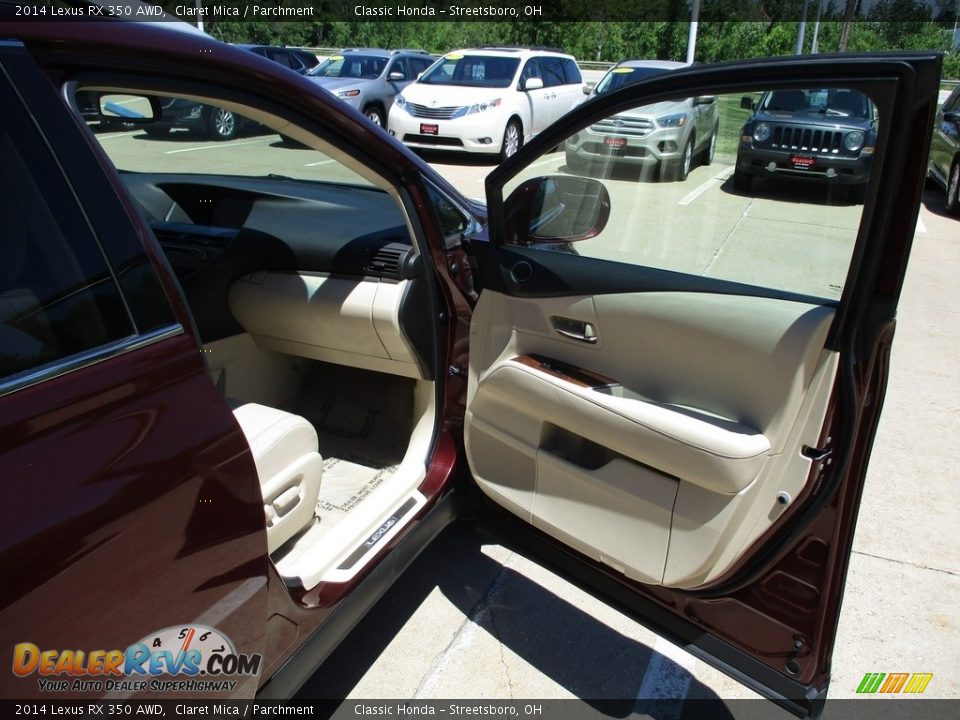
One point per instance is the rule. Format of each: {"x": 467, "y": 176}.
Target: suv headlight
{"x": 853, "y": 141}
{"x": 347, "y": 93}
{"x": 401, "y": 102}
{"x": 673, "y": 121}
{"x": 477, "y": 108}
{"x": 761, "y": 132}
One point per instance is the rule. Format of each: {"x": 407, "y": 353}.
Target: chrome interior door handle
{"x": 579, "y": 330}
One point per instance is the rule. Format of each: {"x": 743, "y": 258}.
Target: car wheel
{"x": 858, "y": 193}
{"x": 711, "y": 151}
{"x": 512, "y": 140}
{"x": 953, "y": 188}
{"x": 374, "y": 115}
{"x": 741, "y": 181}
{"x": 221, "y": 124}
{"x": 686, "y": 163}
{"x": 575, "y": 163}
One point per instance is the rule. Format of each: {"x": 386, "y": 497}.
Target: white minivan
{"x": 486, "y": 100}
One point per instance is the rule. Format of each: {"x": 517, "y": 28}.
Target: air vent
{"x": 388, "y": 261}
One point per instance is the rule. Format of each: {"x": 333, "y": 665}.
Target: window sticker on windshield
{"x": 336, "y": 57}
{"x": 623, "y": 70}
{"x": 818, "y": 99}
{"x": 454, "y": 56}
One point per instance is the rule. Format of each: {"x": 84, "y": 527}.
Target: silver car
{"x": 668, "y": 136}
{"x": 370, "y": 78}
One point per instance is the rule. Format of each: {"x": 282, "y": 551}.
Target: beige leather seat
{"x": 284, "y": 448}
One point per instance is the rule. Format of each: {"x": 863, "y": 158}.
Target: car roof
{"x": 511, "y": 52}
{"x": 652, "y": 64}
{"x": 380, "y": 52}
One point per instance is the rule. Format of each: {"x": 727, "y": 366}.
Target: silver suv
{"x": 668, "y": 136}
{"x": 369, "y": 78}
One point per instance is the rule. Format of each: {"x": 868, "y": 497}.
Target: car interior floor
{"x": 363, "y": 421}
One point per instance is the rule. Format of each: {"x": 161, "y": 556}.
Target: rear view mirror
{"x": 556, "y": 209}
{"x": 746, "y": 102}
{"x": 396, "y": 76}
{"x": 705, "y": 100}
{"x": 128, "y": 108}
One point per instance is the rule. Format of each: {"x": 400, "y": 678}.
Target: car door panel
{"x": 694, "y": 394}
{"x": 690, "y": 446}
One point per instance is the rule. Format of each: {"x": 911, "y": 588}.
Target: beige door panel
{"x": 688, "y": 412}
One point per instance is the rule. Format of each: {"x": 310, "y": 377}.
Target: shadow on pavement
{"x": 571, "y": 647}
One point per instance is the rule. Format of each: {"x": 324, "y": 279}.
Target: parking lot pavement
{"x": 476, "y": 620}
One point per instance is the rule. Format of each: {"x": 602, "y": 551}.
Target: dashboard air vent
{"x": 388, "y": 261}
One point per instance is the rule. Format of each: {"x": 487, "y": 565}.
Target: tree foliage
{"x": 729, "y": 30}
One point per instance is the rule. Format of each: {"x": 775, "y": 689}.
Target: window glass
{"x": 552, "y": 70}
{"x": 571, "y": 72}
{"x": 206, "y": 139}
{"x": 367, "y": 67}
{"x": 473, "y": 71}
{"x": 57, "y": 294}
{"x": 765, "y": 190}
{"x": 419, "y": 66}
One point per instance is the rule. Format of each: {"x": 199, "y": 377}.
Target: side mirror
{"x": 951, "y": 116}
{"x": 136, "y": 109}
{"x": 746, "y": 102}
{"x": 395, "y": 76}
{"x": 556, "y": 209}
{"x": 705, "y": 100}
{"x": 533, "y": 84}
{"x": 587, "y": 89}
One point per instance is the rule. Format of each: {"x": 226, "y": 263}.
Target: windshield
{"x": 366, "y": 67}
{"x": 847, "y": 103}
{"x": 472, "y": 71}
{"x": 623, "y": 76}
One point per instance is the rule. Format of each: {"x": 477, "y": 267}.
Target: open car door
{"x": 674, "y": 386}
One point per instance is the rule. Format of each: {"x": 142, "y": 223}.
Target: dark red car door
{"x": 131, "y": 507}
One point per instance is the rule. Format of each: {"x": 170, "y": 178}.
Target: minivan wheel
{"x": 953, "y": 189}
{"x": 222, "y": 124}
{"x": 374, "y": 115}
{"x": 512, "y": 140}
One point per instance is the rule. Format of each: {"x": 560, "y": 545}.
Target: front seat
{"x": 284, "y": 448}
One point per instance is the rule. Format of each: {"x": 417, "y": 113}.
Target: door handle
{"x": 579, "y": 330}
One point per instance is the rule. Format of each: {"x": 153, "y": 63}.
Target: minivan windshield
{"x": 487, "y": 71}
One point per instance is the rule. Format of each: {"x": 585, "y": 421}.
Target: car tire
{"x": 221, "y": 124}
{"x": 742, "y": 181}
{"x": 952, "y": 197}
{"x": 685, "y": 165}
{"x": 858, "y": 194}
{"x": 375, "y": 115}
{"x": 575, "y": 163}
{"x": 512, "y": 139}
{"x": 711, "y": 150}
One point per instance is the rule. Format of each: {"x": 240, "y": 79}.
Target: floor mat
{"x": 344, "y": 486}
{"x": 360, "y": 416}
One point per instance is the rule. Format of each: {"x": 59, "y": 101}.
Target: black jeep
{"x": 823, "y": 135}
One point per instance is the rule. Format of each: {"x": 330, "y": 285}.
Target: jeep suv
{"x": 821, "y": 135}
{"x": 488, "y": 100}
{"x": 369, "y": 79}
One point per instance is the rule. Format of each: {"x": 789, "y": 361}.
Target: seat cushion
{"x": 284, "y": 448}
{"x": 276, "y": 437}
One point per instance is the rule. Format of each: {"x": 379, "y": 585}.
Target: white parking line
{"x": 110, "y": 136}
{"x": 921, "y": 228}
{"x": 219, "y": 146}
{"x": 719, "y": 177}
{"x": 322, "y": 162}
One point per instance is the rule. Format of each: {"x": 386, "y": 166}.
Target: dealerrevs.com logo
{"x": 192, "y": 658}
